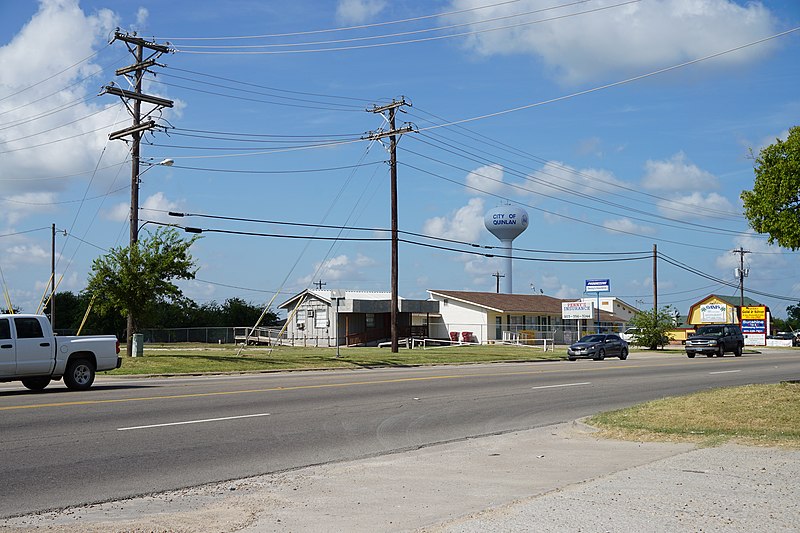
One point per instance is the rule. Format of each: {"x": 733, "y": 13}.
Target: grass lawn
{"x": 195, "y": 358}
{"x": 760, "y": 415}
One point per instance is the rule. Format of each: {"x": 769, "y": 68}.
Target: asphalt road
{"x": 129, "y": 437}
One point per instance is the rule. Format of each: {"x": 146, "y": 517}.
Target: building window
{"x": 321, "y": 319}
{"x": 300, "y": 317}
{"x": 370, "y": 318}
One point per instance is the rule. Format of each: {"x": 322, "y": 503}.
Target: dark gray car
{"x": 598, "y": 346}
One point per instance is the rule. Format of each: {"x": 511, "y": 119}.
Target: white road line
{"x": 725, "y": 372}
{"x": 562, "y": 385}
{"x": 193, "y": 422}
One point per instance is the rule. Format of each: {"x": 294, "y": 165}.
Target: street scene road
{"x": 129, "y": 436}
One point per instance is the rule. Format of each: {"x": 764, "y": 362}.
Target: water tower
{"x": 506, "y": 222}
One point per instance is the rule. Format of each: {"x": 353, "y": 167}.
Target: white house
{"x": 491, "y": 317}
{"x": 353, "y": 318}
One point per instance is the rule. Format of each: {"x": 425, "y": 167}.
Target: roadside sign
{"x": 597, "y": 285}
{"x": 577, "y": 310}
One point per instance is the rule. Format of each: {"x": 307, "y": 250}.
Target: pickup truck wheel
{"x": 38, "y": 383}
{"x": 720, "y": 351}
{"x": 690, "y": 355}
{"x": 737, "y": 352}
{"x": 79, "y": 374}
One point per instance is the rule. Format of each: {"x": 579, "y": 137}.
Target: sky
{"x": 619, "y": 126}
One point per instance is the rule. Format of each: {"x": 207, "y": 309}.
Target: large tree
{"x": 773, "y": 206}
{"x": 135, "y": 279}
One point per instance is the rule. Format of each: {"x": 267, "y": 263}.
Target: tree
{"x": 135, "y": 279}
{"x": 653, "y": 327}
{"x": 773, "y": 206}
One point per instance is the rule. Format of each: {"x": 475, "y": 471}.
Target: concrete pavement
{"x": 555, "y": 478}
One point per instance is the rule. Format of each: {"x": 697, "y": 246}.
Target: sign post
{"x": 597, "y": 286}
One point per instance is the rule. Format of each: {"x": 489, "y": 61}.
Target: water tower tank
{"x": 506, "y": 222}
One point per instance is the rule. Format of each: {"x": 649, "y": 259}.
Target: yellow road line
{"x": 305, "y": 387}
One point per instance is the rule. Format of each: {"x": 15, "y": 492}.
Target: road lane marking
{"x": 562, "y": 385}
{"x": 583, "y": 369}
{"x": 725, "y": 372}
{"x": 183, "y": 423}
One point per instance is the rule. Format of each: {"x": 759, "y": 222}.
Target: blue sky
{"x": 570, "y": 110}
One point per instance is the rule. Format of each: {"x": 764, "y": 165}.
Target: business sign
{"x": 577, "y": 310}
{"x": 597, "y": 285}
{"x": 754, "y": 326}
{"x": 757, "y": 312}
{"x": 713, "y": 313}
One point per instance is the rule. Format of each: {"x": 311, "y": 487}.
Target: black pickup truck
{"x": 716, "y": 339}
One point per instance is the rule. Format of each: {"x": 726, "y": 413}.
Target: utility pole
{"x": 655, "y": 282}
{"x": 741, "y": 273}
{"x": 53, "y": 279}
{"x": 498, "y": 275}
{"x": 389, "y": 111}
{"x": 320, "y": 284}
{"x": 133, "y": 101}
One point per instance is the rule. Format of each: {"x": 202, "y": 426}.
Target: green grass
{"x": 196, "y": 358}
{"x": 762, "y": 415}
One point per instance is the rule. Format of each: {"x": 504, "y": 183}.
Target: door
{"x": 35, "y": 352}
{"x": 8, "y": 355}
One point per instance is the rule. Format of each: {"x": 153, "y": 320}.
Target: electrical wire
{"x": 408, "y": 41}
{"x": 614, "y": 84}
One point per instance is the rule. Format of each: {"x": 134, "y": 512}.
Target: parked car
{"x": 598, "y": 346}
{"x": 628, "y": 334}
{"x": 786, "y": 336}
{"x": 716, "y": 339}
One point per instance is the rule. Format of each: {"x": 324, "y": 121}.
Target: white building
{"x": 491, "y": 317}
{"x": 614, "y": 305}
{"x": 353, "y": 318}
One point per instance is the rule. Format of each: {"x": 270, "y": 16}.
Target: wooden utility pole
{"x": 655, "y": 281}
{"x": 53, "y": 278}
{"x": 741, "y": 273}
{"x": 320, "y": 284}
{"x": 133, "y": 100}
{"x": 498, "y": 275}
{"x": 393, "y": 134}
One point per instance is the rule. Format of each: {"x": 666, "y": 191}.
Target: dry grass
{"x": 761, "y": 415}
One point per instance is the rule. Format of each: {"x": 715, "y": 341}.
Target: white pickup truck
{"x": 29, "y": 352}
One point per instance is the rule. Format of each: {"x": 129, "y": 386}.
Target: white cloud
{"x": 557, "y": 179}
{"x": 18, "y": 206}
{"x": 486, "y": 179}
{"x": 696, "y": 205}
{"x": 553, "y": 286}
{"x": 762, "y": 256}
{"x": 52, "y": 113}
{"x": 677, "y": 174}
{"x": 337, "y": 268}
{"x": 358, "y": 11}
{"x": 626, "y": 225}
{"x": 632, "y": 38}
{"x": 464, "y": 224}
{"x": 142, "y": 14}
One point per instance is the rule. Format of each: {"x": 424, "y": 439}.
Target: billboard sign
{"x": 597, "y": 285}
{"x": 757, "y": 312}
{"x": 713, "y": 313}
{"x": 754, "y": 326}
{"x": 577, "y": 310}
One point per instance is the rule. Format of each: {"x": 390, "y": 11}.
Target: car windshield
{"x": 593, "y": 338}
{"x": 710, "y": 330}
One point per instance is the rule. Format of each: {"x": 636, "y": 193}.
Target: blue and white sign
{"x": 597, "y": 285}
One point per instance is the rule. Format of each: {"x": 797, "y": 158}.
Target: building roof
{"x": 733, "y": 301}
{"x": 327, "y": 296}
{"x": 516, "y": 303}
